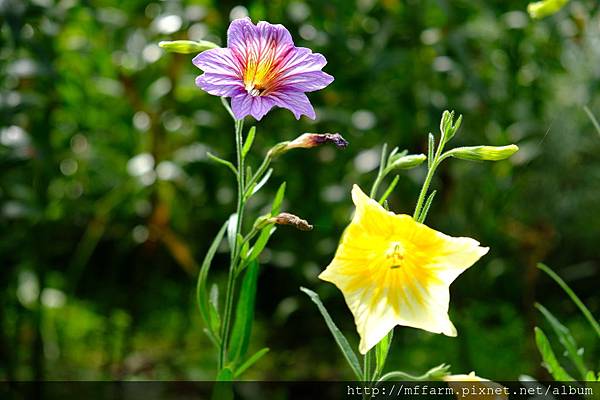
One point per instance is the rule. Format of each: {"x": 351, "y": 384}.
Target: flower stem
{"x": 239, "y": 127}
{"x": 431, "y": 167}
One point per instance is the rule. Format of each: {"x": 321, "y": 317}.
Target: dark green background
{"x": 84, "y": 89}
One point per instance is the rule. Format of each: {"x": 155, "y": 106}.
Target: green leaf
{"x": 201, "y": 293}
{"x": 250, "y": 361}
{"x": 232, "y": 232}
{"x": 426, "y": 207}
{"x": 341, "y": 341}
{"x": 187, "y": 46}
{"x": 550, "y": 361}
{"x": 262, "y": 182}
{"x": 276, "y": 207}
{"x": 222, "y": 162}
{"x": 244, "y": 314}
{"x": 592, "y": 118}
{"x": 382, "y": 350}
{"x": 261, "y": 242}
{"x": 565, "y": 338}
{"x": 584, "y": 310}
{"x": 249, "y": 141}
{"x": 430, "y": 149}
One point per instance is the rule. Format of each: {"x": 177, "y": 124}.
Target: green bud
{"x": 448, "y": 127}
{"x": 545, "y": 8}
{"x": 187, "y": 46}
{"x": 278, "y": 149}
{"x": 483, "y": 153}
{"x": 407, "y": 162}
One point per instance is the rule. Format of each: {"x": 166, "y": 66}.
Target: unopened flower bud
{"x": 291, "y": 219}
{"x": 187, "y": 46}
{"x": 544, "y": 8}
{"x": 307, "y": 141}
{"x": 407, "y": 162}
{"x": 484, "y": 153}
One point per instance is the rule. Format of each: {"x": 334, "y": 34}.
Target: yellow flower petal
{"x": 473, "y": 387}
{"x": 393, "y": 271}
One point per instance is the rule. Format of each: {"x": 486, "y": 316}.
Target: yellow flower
{"x": 473, "y": 387}
{"x": 393, "y": 271}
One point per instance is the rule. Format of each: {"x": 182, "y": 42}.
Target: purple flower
{"x": 261, "y": 68}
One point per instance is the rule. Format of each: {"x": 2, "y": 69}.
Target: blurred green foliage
{"x": 108, "y": 200}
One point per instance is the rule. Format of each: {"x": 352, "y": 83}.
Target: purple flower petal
{"x": 296, "y": 102}
{"x": 245, "y": 104}
{"x": 218, "y": 61}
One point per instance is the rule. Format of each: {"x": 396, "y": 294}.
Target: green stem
{"x": 239, "y": 127}
{"x": 381, "y": 173}
{"x": 430, "y": 172}
{"x": 367, "y": 367}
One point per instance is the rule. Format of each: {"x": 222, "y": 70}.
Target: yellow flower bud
{"x": 545, "y": 8}
{"x": 187, "y": 46}
{"x": 483, "y": 153}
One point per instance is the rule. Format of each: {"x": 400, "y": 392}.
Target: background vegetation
{"x": 108, "y": 200}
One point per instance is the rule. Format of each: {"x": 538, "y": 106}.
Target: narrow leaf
{"x": 584, "y": 310}
{"x": 244, "y": 314}
{"x": 343, "y": 344}
{"x": 550, "y": 361}
{"x": 249, "y": 141}
{"x": 250, "y": 361}
{"x": 262, "y": 182}
{"x": 222, "y": 162}
{"x": 426, "y": 207}
{"x": 232, "y": 232}
{"x": 382, "y": 350}
{"x": 276, "y": 207}
{"x": 261, "y": 242}
{"x": 430, "y": 149}
{"x": 389, "y": 190}
{"x": 565, "y": 338}
{"x": 201, "y": 293}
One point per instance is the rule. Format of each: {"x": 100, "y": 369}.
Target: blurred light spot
{"x": 568, "y": 28}
{"x": 367, "y": 160}
{"x": 109, "y": 87}
{"x": 355, "y": 44}
{"x": 307, "y": 32}
{"x": 53, "y": 298}
{"x": 197, "y": 31}
{"x": 172, "y": 123}
{"x": 431, "y": 36}
{"x": 284, "y": 259}
{"x": 363, "y": 119}
{"x": 11, "y": 99}
{"x": 140, "y": 234}
{"x": 28, "y": 288}
{"x": 311, "y": 271}
{"x": 142, "y": 207}
{"x": 22, "y": 68}
{"x": 224, "y": 195}
{"x": 238, "y": 12}
{"x": 141, "y": 164}
{"x": 151, "y": 53}
{"x": 168, "y": 24}
{"x": 152, "y": 10}
{"x": 168, "y": 171}
{"x": 79, "y": 144}
{"x": 148, "y": 178}
{"x": 68, "y": 166}
{"x": 516, "y": 19}
{"x": 204, "y": 118}
{"x": 333, "y": 193}
{"x": 159, "y": 88}
{"x": 286, "y": 307}
{"x": 75, "y": 190}
{"x": 370, "y": 25}
{"x": 13, "y": 136}
{"x": 195, "y": 12}
{"x": 298, "y": 11}
{"x": 438, "y": 99}
{"x": 192, "y": 153}
{"x": 442, "y": 64}
{"x": 13, "y": 210}
{"x": 141, "y": 121}
{"x": 112, "y": 16}
{"x": 365, "y": 6}
{"x": 27, "y": 31}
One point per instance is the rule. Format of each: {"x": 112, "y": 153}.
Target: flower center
{"x": 395, "y": 255}
{"x": 254, "y": 89}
